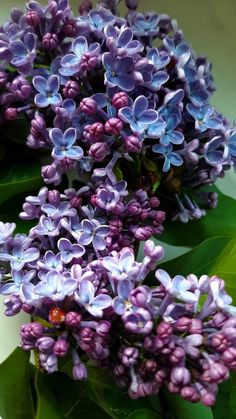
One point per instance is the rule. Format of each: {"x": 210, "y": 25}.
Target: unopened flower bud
{"x": 11, "y": 114}
{"x": 88, "y": 106}
{"x": 133, "y": 144}
{"x": 120, "y": 100}
{"x": 50, "y": 41}
{"x": 71, "y": 89}
{"x": 98, "y": 151}
{"x": 113, "y": 126}
{"x": 61, "y": 348}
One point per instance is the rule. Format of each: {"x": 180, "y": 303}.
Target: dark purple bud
{"x": 85, "y": 6}
{"x": 13, "y": 305}
{"x": 3, "y": 79}
{"x": 140, "y": 296}
{"x": 103, "y": 328}
{"x": 180, "y": 376}
{"x": 133, "y": 144}
{"x": 98, "y": 151}
{"x": 86, "y": 334}
{"x": 45, "y": 344}
{"x": 21, "y": 87}
{"x": 229, "y": 357}
{"x": 61, "y": 348}
{"x": 38, "y": 123}
{"x": 134, "y": 208}
{"x": 120, "y": 100}
{"x": 11, "y": 114}
{"x": 79, "y": 372}
{"x": 49, "y": 173}
{"x": 27, "y": 308}
{"x": 50, "y": 41}
{"x": 143, "y": 233}
{"x": 131, "y": 4}
{"x": 130, "y": 356}
{"x": 173, "y": 388}
{"x": 73, "y": 319}
{"x": 219, "y": 319}
{"x": 160, "y": 377}
{"x": 177, "y": 355}
{"x": 88, "y": 106}
{"x": 164, "y": 330}
{"x": 54, "y": 197}
{"x": 76, "y": 202}
{"x": 32, "y": 18}
{"x": 113, "y": 126}
{"x": 208, "y": 399}
{"x": 69, "y": 28}
{"x": 150, "y": 366}
{"x": 183, "y": 324}
{"x": 71, "y": 89}
{"x": 32, "y": 330}
{"x": 119, "y": 370}
{"x": 48, "y": 362}
{"x": 94, "y": 132}
{"x": 196, "y": 327}
{"x": 190, "y": 393}
{"x": 216, "y": 373}
{"x": 219, "y": 342}
{"x": 115, "y": 226}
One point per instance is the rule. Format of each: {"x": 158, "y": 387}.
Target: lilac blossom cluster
{"x": 92, "y": 85}
{"x": 89, "y": 302}
{"x": 111, "y": 108}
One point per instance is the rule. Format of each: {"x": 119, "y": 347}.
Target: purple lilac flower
{"x": 24, "y": 53}
{"x": 215, "y": 152}
{"x": 119, "y": 72}
{"x": 93, "y": 304}
{"x": 171, "y": 157}
{"x": 204, "y": 117}
{"x": 6, "y": 230}
{"x": 69, "y": 251}
{"x": 19, "y": 257}
{"x": 120, "y": 42}
{"x": 139, "y": 116}
{"x": 55, "y": 286}
{"x": 48, "y": 91}
{"x": 171, "y": 135}
{"x": 74, "y": 62}
{"x": 18, "y": 278}
{"x": 64, "y": 144}
{"x": 93, "y": 234}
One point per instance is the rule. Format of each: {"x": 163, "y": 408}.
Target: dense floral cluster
{"x": 88, "y": 301}
{"x": 122, "y": 118}
{"x": 96, "y": 84}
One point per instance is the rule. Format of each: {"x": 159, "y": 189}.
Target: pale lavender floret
{"x": 122, "y": 266}
{"x": 139, "y": 116}
{"x": 93, "y": 234}
{"x": 119, "y": 72}
{"x": 48, "y": 91}
{"x": 175, "y": 50}
{"x": 55, "y": 286}
{"x": 97, "y": 20}
{"x": 215, "y": 151}
{"x": 6, "y": 230}
{"x": 220, "y": 298}
{"x": 95, "y": 305}
{"x": 47, "y": 227}
{"x": 120, "y": 41}
{"x": 178, "y": 286}
{"x": 145, "y": 25}
{"x": 19, "y": 257}
{"x": 231, "y": 142}
{"x": 155, "y": 130}
{"x": 71, "y": 63}
{"x": 121, "y": 302}
{"x": 69, "y": 251}
{"x": 24, "y": 53}
{"x": 171, "y": 135}
{"x": 64, "y": 144}
{"x": 170, "y": 157}
{"x": 204, "y": 117}
{"x": 51, "y": 261}
{"x": 138, "y": 322}
{"x": 18, "y": 278}
{"x": 63, "y": 209}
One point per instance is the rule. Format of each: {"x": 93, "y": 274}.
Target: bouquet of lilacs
{"x": 116, "y": 111}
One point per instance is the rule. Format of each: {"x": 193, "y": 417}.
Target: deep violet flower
{"x": 48, "y": 91}
{"x": 64, "y": 144}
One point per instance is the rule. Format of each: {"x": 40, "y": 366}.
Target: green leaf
{"x": 221, "y": 408}
{"x": 232, "y": 400}
{"x": 47, "y": 406}
{"x": 22, "y": 176}
{"x": 143, "y": 414}
{"x": 181, "y": 409}
{"x": 16, "y": 131}
{"x": 217, "y": 222}
{"x": 15, "y": 390}
{"x": 200, "y": 260}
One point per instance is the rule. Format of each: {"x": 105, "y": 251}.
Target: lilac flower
{"x": 221, "y": 299}
{"x": 63, "y": 209}
{"x": 20, "y": 257}
{"x": 139, "y": 116}
{"x": 145, "y": 25}
{"x": 171, "y": 135}
{"x": 215, "y": 151}
{"x": 122, "y": 267}
{"x": 119, "y": 72}
{"x": 18, "y": 278}
{"x": 175, "y": 50}
{"x": 203, "y": 117}
{"x": 93, "y": 234}
{"x": 159, "y": 59}
{"x": 197, "y": 94}
{"x": 95, "y": 305}
{"x": 69, "y": 251}
{"x": 171, "y": 157}
{"x": 231, "y": 143}
{"x": 72, "y": 63}
{"x": 24, "y": 53}
{"x": 121, "y": 303}
{"x": 6, "y": 230}
{"x": 55, "y": 286}
{"x": 189, "y": 152}
{"x": 155, "y": 130}
{"x": 138, "y": 322}
{"x": 48, "y": 91}
{"x": 51, "y": 262}
{"x": 64, "y": 144}
{"x": 47, "y": 227}
{"x": 98, "y": 19}
{"x": 120, "y": 43}
{"x": 178, "y": 286}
